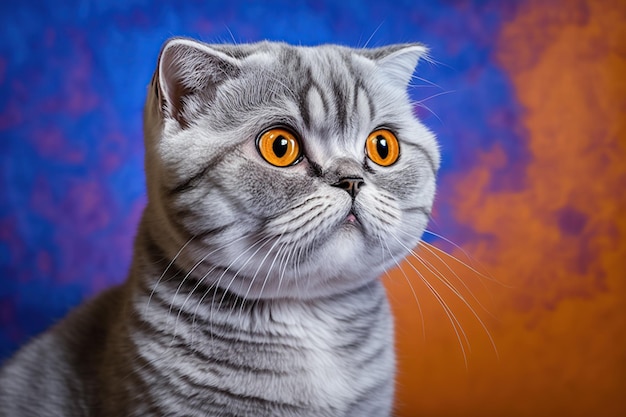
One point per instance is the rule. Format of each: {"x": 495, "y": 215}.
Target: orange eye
{"x": 279, "y": 147}
{"x": 382, "y": 147}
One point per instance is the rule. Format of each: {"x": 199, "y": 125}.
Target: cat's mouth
{"x": 352, "y": 219}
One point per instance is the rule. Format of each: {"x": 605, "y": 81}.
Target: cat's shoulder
{"x": 59, "y": 363}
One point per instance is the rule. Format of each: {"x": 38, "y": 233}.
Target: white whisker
{"x": 253, "y": 278}
{"x": 187, "y": 275}
{"x": 430, "y": 267}
{"x": 227, "y": 289}
{"x": 452, "y": 288}
{"x": 373, "y": 33}
{"x": 429, "y": 247}
{"x": 456, "y": 325}
{"x": 165, "y": 272}
{"x": 467, "y": 255}
{"x": 288, "y": 253}
{"x": 217, "y": 283}
{"x": 435, "y": 95}
{"x": 430, "y": 83}
{"x": 419, "y": 306}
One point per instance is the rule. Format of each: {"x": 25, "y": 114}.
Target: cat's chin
{"x": 345, "y": 261}
{"x": 347, "y": 258}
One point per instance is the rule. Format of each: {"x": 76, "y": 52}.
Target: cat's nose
{"x": 351, "y": 184}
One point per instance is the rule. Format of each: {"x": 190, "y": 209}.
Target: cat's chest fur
{"x": 320, "y": 358}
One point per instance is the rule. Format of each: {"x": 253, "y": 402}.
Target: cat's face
{"x": 287, "y": 171}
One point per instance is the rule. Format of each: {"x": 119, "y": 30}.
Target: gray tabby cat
{"x": 282, "y": 182}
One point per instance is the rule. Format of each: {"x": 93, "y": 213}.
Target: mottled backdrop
{"x": 528, "y": 99}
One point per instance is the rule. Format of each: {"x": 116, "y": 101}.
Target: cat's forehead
{"x": 330, "y": 90}
{"x": 327, "y": 63}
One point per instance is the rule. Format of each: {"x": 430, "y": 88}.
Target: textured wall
{"x": 528, "y": 99}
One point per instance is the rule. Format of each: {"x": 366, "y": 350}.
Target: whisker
{"x": 231, "y": 34}
{"x": 430, "y": 83}
{"x": 373, "y": 33}
{"x": 467, "y": 255}
{"x": 285, "y": 263}
{"x": 435, "y": 95}
{"x": 216, "y": 284}
{"x": 423, "y": 106}
{"x": 267, "y": 276}
{"x": 261, "y": 264}
{"x": 253, "y": 278}
{"x": 453, "y": 320}
{"x": 182, "y": 282}
{"x": 264, "y": 241}
{"x": 269, "y": 271}
{"x": 297, "y": 272}
{"x": 456, "y": 325}
{"x": 451, "y": 287}
{"x": 415, "y": 297}
{"x": 433, "y": 270}
{"x": 428, "y": 247}
{"x": 165, "y": 272}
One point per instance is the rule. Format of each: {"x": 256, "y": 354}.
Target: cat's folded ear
{"x": 187, "y": 77}
{"x": 397, "y": 62}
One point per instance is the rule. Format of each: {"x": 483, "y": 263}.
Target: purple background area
{"x": 73, "y": 76}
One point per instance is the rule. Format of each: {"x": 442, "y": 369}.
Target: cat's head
{"x": 288, "y": 171}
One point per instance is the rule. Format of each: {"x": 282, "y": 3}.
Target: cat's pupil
{"x": 280, "y": 146}
{"x": 381, "y": 147}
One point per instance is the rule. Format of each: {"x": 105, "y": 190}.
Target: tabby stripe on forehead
{"x": 341, "y": 102}
{"x": 360, "y": 89}
{"x": 303, "y": 103}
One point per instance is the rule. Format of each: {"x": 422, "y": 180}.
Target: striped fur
{"x": 250, "y": 293}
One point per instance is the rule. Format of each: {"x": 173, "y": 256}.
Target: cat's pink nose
{"x": 351, "y": 184}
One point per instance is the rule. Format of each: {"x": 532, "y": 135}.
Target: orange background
{"x": 549, "y": 282}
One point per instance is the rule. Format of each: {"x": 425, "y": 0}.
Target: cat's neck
{"x": 157, "y": 278}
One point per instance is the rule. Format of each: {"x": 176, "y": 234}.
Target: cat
{"x": 282, "y": 182}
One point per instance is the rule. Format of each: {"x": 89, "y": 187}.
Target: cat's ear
{"x": 397, "y": 62}
{"x": 187, "y": 76}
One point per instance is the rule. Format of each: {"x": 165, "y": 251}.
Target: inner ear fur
{"x": 188, "y": 74}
